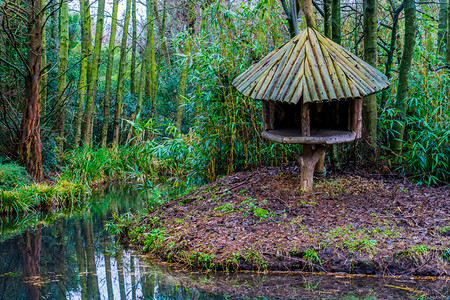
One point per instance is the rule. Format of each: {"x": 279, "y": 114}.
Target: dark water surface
{"x": 71, "y": 256}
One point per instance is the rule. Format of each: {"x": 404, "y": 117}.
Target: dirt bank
{"x": 260, "y": 220}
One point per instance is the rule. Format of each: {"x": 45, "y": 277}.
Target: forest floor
{"x": 259, "y": 220}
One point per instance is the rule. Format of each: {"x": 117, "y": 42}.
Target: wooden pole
{"x": 306, "y": 124}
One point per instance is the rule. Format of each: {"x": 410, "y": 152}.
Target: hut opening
{"x": 336, "y": 115}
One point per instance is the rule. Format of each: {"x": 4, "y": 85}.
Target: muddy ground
{"x": 260, "y": 220}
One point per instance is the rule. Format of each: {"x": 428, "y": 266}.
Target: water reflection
{"x": 73, "y": 257}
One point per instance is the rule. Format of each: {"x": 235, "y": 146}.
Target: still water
{"x": 70, "y": 255}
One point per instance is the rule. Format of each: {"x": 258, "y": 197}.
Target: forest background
{"x": 94, "y": 90}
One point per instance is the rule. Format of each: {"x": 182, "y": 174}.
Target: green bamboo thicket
{"x": 166, "y": 103}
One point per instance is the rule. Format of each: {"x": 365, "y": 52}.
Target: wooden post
{"x": 306, "y": 124}
{"x": 268, "y": 115}
{"x": 307, "y": 163}
{"x": 357, "y": 117}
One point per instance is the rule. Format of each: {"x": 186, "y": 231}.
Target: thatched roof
{"x": 313, "y": 68}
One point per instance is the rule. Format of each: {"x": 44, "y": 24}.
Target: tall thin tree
{"x": 108, "y": 80}
{"x": 151, "y": 58}
{"x": 30, "y": 147}
{"x": 93, "y": 76}
{"x": 370, "y": 55}
{"x": 43, "y": 97}
{"x": 336, "y": 21}
{"x": 62, "y": 72}
{"x": 185, "y": 67}
{"x": 133, "y": 49}
{"x": 120, "y": 79}
{"x": 442, "y": 36}
{"x": 400, "y": 103}
{"x": 86, "y": 52}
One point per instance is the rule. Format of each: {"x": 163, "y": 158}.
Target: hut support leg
{"x": 308, "y": 161}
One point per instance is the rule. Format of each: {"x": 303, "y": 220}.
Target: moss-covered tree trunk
{"x": 162, "y": 30}
{"x": 62, "y": 72}
{"x": 400, "y": 103}
{"x": 448, "y": 46}
{"x": 30, "y": 146}
{"x": 336, "y": 21}
{"x": 109, "y": 67}
{"x": 133, "y": 49}
{"x": 442, "y": 36}
{"x": 327, "y": 5}
{"x": 448, "y": 35}
{"x": 93, "y": 76}
{"x": 151, "y": 59}
{"x": 307, "y": 7}
{"x": 185, "y": 67}
{"x": 370, "y": 56}
{"x": 120, "y": 79}
{"x": 86, "y": 51}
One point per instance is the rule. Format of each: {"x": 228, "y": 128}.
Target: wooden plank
{"x": 323, "y": 67}
{"x": 297, "y": 74}
{"x": 316, "y": 76}
{"x": 287, "y": 75}
{"x": 318, "y": 137}
{"x": 351, "y": 65}
{"x": 274, "y": 86}
{"x": 333, "y": 74}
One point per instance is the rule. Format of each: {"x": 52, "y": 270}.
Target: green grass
{"x": 12, "y": 175}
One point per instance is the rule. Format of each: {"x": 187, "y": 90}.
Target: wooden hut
{"x": 311, "y": 90}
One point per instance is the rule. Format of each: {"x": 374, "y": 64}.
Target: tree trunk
{"x": 307, "y": 8}
{"x": 400, "y": 103}
{"x": 141, "y": 91}
{"x": 448, "y": 37}
{"x": 448, "y": 46}
{"x": 109, "y": 67}
{"x": 327, "y": 5}
{"x": 133, "y": 49}
{"x": 336, "y": 21}
{"x": 290, "y": 18}
{"x": 86, "y": 51}
{"x": 151, "y": 60}
{"x": 93, "y": 76}
{"x": 120, "y": 80}
{"x": 370, "y": 56}
{"x": 162, "y": 31}
{"x": 442, "y": 37}
{"x": 391, "y": 50}
{"x": 43, "y": 97}
{"x": 184, "y": 69}
{"x": 62, "y": 72}
{"x": 30, "y": 147}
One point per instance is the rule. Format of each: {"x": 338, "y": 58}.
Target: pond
{"x": 70, "y": 255}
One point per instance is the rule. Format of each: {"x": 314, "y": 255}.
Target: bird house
{"x": 311, "y": 91}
